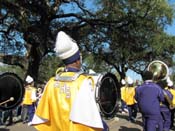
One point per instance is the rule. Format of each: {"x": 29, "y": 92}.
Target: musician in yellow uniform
{"x": 68, "y": 103}
{"x": 124, "y": 107}
{"x": 28, "y": 104}
{"x": 130, "y": 100}
{"x": 172, "y": 90}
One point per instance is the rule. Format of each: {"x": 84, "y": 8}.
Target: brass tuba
{"x": 160, "y": 75}
{"x": 159, "y": 69}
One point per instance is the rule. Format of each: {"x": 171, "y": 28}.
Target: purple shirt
{"x": 165, "y": 105}
{"x": 149, "y": 95}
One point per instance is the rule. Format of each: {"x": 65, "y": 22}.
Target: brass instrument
{"x": 159, "y": 69}
{"x": 171, "y": 105}
{"x": 160, "y": 75}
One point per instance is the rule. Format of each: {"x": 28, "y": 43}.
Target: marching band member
{"x": 165, "y": 106}
{"x": 28, "y": 105}
{"x": 68, "y": 103}
{"x": 130, "y": 100}
{"x": 170, "y": 87}
{"x": 123, "y": 96}
{"x": 148, "y": 96}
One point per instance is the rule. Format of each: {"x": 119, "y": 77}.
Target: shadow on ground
{"x": 123, "y": 128}
{"x": 3, "y": 129}
{"x": 138, "y": 122}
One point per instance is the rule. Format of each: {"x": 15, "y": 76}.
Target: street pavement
{"x": 118, "y": 123}
{"x": 121, "y": 123}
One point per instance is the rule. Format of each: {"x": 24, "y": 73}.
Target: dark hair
{"x": 147, "y": 75}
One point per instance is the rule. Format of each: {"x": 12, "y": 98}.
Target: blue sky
{"x": 170, "y": 30}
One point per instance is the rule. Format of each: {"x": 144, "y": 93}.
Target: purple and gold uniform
{"x": 28, "y": 104}
{"x": 123, "y": 96}
{"x": 148, "y": 96}
{"x": 165, "y": 110}
{"x": 28, "y": 100}
{"x": 78, "y": 110}
{"x": 129, "y": 95}
{"x": 172, "y": 90}
{"x": 68, "y": 102}
{"x": 131, "y": 102}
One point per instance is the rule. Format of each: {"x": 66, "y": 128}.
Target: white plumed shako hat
{"x": 29, "y": 79}
{"x": 169, "y": 82}
{"x": 123, "y": 82}
{"x": 66, "y": 48}
{"x": 129, "y": 80}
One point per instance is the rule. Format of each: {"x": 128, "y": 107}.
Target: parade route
{"x": 118, "y": 123}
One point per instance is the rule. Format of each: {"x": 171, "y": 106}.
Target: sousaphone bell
{"x": 11, "y": 90}
{"x": 160, "y": 75}
{"x": 159, "y": 69}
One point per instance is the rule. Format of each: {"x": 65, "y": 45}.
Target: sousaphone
{"x": 11, "y": 90}
{"x": 159, "y": 69}
{"x": 160, "y": 75}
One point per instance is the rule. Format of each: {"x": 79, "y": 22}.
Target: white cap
{"x": 129, "y": 80}
{"x": 170, "y": 83}
{"x": 123, "y": 82}
{"x": 29, "y": 79}
{"x": 65, "y": 46}
{"x": 168, "y": 79}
